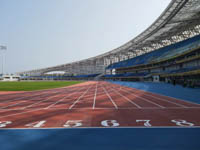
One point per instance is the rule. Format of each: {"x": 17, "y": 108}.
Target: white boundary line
{"x": 52, "y": 96}
{"x": 12, "y": 105}
{"x": 96, "y": 108}
{"x": 160, "y": 99}
{"x": 110, "y": 97}
{"x": 166, "y": 101}
{"x": 52, "y": 89}
{"x": 145, "y": 99}
{"x": 128, "y": 99}
{"x": 40, "y": 101}
{"x": 19, "y": 113}
{"x": 95, "y": 96}
{"x": 187, "y": 101}
{"x": 57, "y": 94}
{"x": 29, "y": 96}
{"x": 79, "y": 98}
{"x": 37, "y": 95}
{"x": 125, "y": 127}
{"x": 60, "y": 100}
{"x": 99, "y": 93}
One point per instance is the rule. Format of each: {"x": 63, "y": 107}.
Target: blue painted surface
{"x": 101, "y": 139}
{"x": 177, "y": 91}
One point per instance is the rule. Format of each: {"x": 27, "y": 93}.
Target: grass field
{"x": 31, "y": 86}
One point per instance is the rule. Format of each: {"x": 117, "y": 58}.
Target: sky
{"x": 44, "y": 33}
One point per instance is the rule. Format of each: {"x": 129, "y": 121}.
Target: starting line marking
{"x": 96, "y": 108}
{"x": 138, "y": 127}
{"x": 104, "y": 123}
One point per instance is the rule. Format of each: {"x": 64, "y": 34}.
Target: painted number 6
{"x": 110, "y": 123}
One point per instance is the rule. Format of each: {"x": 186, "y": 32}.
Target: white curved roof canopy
{"x": 179, "y": 21}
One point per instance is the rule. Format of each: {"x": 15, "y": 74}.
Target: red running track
{"x": 95, "y": 104}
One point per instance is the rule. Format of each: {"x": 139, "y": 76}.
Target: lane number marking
{"x": 110, "y": 123}
{"x": 183, "y": 123}
{"x": 73, "y": 123}
{"x": 37, "y": 124}
{"x": 4, "y": 123}
{"x": 146, "y": 122}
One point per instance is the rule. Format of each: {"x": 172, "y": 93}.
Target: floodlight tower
{"x": 3, "y": 49}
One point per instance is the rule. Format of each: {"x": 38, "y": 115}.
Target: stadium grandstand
{"x": 169, "y": 51}
{"x": 179, "y": 62}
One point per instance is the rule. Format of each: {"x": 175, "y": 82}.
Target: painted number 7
{"x": 146, "y": 122}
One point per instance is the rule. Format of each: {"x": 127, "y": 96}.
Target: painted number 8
{"x": 183, "y": 123}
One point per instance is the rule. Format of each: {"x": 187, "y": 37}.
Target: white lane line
{"x": 166, "y": 100}
{"x": 101, "y": 127}
{"x": 128, "y": 99}
{"x": 41, "y": 101}
{"x": 95, "y": 96}
{"x": 186, "y": 101}
{"x": 38, "y": 95}
{"x": 135, "y": 108}
{"x": 58, "y": 94}
{"x": 4, "y": 110}
{"x": 145, "y": 99}
{"x": 92, "y": 95}
{"x": 110, "y": 97}
{"x": 63, "y": 99}
{"x": 12, "y": 105}
{"x": 79, "y": 98}
{"x": 19, "y": 113}
{"x": 128, "y": 108}
{"x": 162, "y": 99}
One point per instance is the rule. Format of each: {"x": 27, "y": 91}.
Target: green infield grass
{"x": 31, "y": 86}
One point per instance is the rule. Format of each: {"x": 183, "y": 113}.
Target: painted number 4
{"x": 37, "y": 124}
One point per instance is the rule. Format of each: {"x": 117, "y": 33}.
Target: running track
{"x": 95, "y": 104}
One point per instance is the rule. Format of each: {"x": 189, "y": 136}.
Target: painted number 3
{"x": 182, "y": 123}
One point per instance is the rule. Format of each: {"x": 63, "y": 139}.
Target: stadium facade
{"x": 169, "y": 46}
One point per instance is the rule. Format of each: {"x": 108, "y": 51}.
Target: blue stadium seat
{"x": 162, "y": 53}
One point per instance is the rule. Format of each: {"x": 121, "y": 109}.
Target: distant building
{"x": 10, "y": 78}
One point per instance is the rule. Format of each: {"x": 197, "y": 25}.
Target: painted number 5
{"x": 73, "y": 123}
